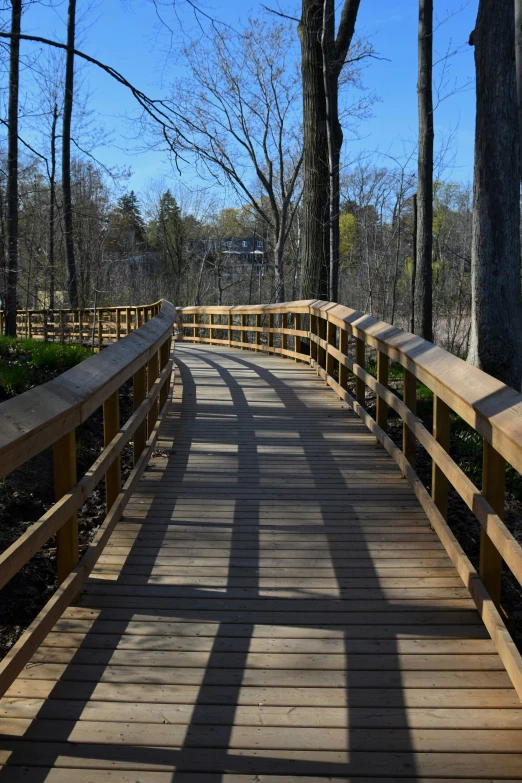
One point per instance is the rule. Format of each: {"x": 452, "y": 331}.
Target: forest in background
{"x": 391, "y": 237}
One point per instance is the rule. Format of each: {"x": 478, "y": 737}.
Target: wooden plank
{"x": 64, "y": 465}
{"x": 493, "y": 489}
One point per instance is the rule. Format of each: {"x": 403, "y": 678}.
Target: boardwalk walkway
{"x": 273, "y": 604}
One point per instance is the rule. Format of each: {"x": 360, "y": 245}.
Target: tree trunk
{"x": 314, "y": 260}
{"x": 12, "y": 171}
{"x": 496, "y": 313}
{"x": 423, "y": 279}
{"x": 518, "y": 54}
{"x": 52, "y": 205}
{"x": 413, "y": 261}
{"x": 66, "y": 157}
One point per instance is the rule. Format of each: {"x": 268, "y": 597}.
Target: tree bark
{"x": 66, "y": 157}
{"x": 314, "y": 259}
{"x": 12, "y": 171}
{"x": 52, "y": 206}
{"x": 518, "y": 54}
{"x": 423, "y": 279}
{"x": 496, "y": 312}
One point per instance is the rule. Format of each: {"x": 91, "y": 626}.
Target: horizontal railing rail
{"x": 334, "y": 340}
{"x": 47, "y": 416}
{"x": 94, "y": 326}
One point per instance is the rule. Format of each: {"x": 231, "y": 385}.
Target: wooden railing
{"x": 48, "y": 416}
{"x": 89, "y": 325}
{"x": 335, "y": 340}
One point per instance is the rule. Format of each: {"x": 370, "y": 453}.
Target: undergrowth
{"x": 28, "y": 363}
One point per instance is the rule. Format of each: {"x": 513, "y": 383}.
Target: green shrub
{"x": 6, "y": 344}
{"x": 15, "y": 378}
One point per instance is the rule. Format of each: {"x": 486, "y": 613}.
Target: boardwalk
{"x": 274, "y": 603}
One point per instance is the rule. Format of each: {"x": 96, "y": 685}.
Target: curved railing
{"x": 337, "y": 339}
{"x": 95, "y": 326}
{"x": 48, "y": 416}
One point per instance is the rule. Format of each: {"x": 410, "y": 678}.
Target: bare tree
{"x": 241, "y": 122}
{"x": 496, "y": 324}
{"x": 66, "y": 155}
{"x": 12, "y": 171}
{"x": 423, "y": 276}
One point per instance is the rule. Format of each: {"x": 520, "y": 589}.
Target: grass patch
{"x": 28, "y": 363}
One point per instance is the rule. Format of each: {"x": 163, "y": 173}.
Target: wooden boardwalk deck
{"x": 273, "y": 604}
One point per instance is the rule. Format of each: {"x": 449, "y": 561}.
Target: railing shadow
{"x": 261, "y": 413}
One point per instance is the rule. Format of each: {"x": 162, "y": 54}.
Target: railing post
{"x": 321, "y": 353}
{"x": 243, "y": 330}
{"x": 343, "y": 370}
{"x": 383, "y": 364}
{"x": 195, "y": 333}
{"x": 313, "y": 331}
{"x": 270, "y": 334}
{"x": 111, "y": 427}
{"x": 441, "y": 433}
{"x": 410, "y": 400}
{"x": 360, "y": 359}
{"x": 297, "y": 338}
{"x": 164, "y": 357}
{"x": 493, "y": 489}
{"x": 128, "y": 320}
{"x": 118, "y": 324}
{"x": 152, "y": 374}
{"x": 64, "y": 464}
{"x": 229, "y": 329}
{"x": 62, "y": 327}
{"x": 258, "y": 333}
{"x": 330, "y": 338}
{"x": 100, "y": 331}
{"x": 139, "y": 386}
{"x": 211, "y": 328}
{"x": 284, "y": 337}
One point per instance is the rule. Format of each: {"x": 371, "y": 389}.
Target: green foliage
{"x": 347, "y": 233}
{"x": 28, "y": 363}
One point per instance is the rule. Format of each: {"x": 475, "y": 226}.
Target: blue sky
{"x": 127, "y": 35}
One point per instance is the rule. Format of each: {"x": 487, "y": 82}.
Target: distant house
{"x": 248, "y": 249}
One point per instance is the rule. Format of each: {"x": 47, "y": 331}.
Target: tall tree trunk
{"x": 496, "y": 308}
{"x": 423, "y": 279}
{"x": 66, "y": 156}
{"x": 518, "y": 54}
{"x": 413, "y": 261}
{"x": 52, "y": 206}
{"x": 12, "y": 171}
{"x": 314, "y": 260}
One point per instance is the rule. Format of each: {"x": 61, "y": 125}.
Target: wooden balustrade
{"x": 48, "y": 416}
{"x": 488, "y": 406}
{"x": 89, "y": 326}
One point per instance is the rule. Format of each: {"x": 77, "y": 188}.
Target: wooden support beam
{"x": 331, "y": 335}
{"x": 211, "y": 327}
{"x": 441, "y": 433}
{"x": 360, "y": 359}
{"x": 243, "y": 330}
{"x": 195, "y": 332}
{"x": 343, "y": 347}
{"x": 284, "y": 337}
{"x": 128, "y": 324}
{"x": 493, "y": 489}
{"x": 118, "y": 323}
{"x": 111, "y": 427}
{"x": 164, "y": 353}
{"x": 152, "y": 374}
{"x": 297, "y": 339}
{"x": 139, "y": 390}
{"x": 383, "y": 365}
{"x": 410, "y": 399}
{"x": 230, "y": 329}
{"x": 321, "y": 353}
{"x": 64, "y": 464}
{"x": 270, "y": 334}
{"x": 258, "y": 333}
{"x": 313, "y": 331}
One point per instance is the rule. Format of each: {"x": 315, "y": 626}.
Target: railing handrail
{"x": 491, "y": 407}
{"x": 48, "y": 415}
{"x": 34, "y": 420}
